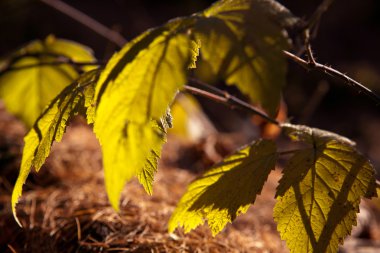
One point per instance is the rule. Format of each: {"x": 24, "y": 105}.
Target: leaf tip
{"x": 15, "y": 198}
{"x": 115, "y": 206}
{"x": 148, "y": 189}
{"x": 172, "y": 226}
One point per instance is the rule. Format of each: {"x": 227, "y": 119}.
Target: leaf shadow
{"x": 238, "y": 186}
{"x": 339, "y": 210}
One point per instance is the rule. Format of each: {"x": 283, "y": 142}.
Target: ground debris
{"x": 65, "y": 208}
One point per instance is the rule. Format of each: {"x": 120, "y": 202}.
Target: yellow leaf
{"x": 89, "y": 104}
{"x": 227, "y": 190}
{"x": 146, "y": 175}
{"x": 50, "y": 127}
{"x": 242, "y": 43}
{"x": 32, "y": 81}
{"x": 71, "y": 50}
{"x": 134, "y": 91}
{"x": 320, "y": 192}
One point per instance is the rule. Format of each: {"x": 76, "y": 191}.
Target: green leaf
{"x": 242, "y": 43}
{"x": 50, "y": 127}
{"x": 146, "y": 175}
{"x": 134, "y": 91}
{"x": 320, "y": 191}
{"x": 227, "y": 190}
{"x": 89, "y": 95}
{"x": 32, "y": 78}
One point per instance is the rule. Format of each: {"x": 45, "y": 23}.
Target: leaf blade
{"x": 320, "y": 192}
{"x": 28, "y": 90}
{"x": 250, "y": 39}
{"x": 227, "y": 190}
{"x": 50, "y": 127}
{"x": 134, "y": 91}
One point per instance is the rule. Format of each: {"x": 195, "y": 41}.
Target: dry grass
{"x": 64, "y": 208}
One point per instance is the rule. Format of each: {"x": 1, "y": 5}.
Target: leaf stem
{"x": 292, "y": 151}
{"x": 88, "y": 21}
{"x": 288, "y": 152}
{"x": 227, "y": 99}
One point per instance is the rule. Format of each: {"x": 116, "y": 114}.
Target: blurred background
{"x": 348, "y": 39}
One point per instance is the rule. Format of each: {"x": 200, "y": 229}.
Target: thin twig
{"x": 207, "y": 86}
{"x": 313, "y": 65}
{"x": 313, "y": 22}
{"x": 307, "y": 42}
{"x": 290, "y": 152}
{"x": 88, "y": 21}
{"x": 230, "y": 100}
{"x": 309, "y": 29}
{"x": 79, "y": 231}
{"x": 11, "y": 248}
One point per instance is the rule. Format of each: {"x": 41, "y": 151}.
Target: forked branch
{"x": 311, "y": 64}
{"x": 313, "y": 22}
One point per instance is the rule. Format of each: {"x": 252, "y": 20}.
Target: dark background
{"x": 348, "y": 39}
{"x": 349, "y": 31}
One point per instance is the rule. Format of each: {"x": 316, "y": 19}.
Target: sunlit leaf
{"x": 134, "y": 91}
{"x": 34, "y": 77}
{"x": 242, "y": 43}
{"x": 89, "y": 104}
{"x": 320, "y": 192}
{"x": 50, "y": 127}
{"x": 146, "y": 175}
{"x": 227, "y": 190}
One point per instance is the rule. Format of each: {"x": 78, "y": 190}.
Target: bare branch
{"x": 227, "y": 99}
{"x": 315, "y": 18}
{"x": 313, "y": 65}
{"x": 88, "y": 21}
{"x": 308, "y": 30}
{"x": 309, "y": 52}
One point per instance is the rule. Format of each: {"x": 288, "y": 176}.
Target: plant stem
{"x": 313, "y": 65}
{"x": 232, "y": 101}
{"x": 309, "y": 29}
{"x": 289, "y": 152}
{"x": 316, "y": 16}
{"x": 88, "y": 21}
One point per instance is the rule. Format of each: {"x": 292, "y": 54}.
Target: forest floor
{"x": 64, "y": 208}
